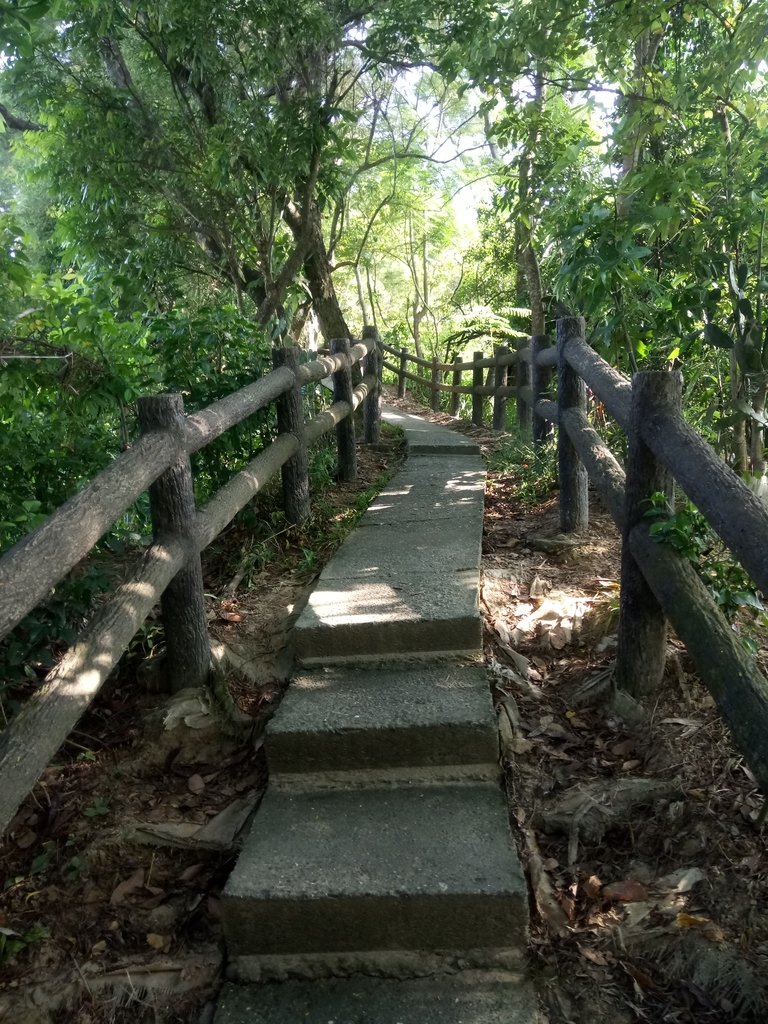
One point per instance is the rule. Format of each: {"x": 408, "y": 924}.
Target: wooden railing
{"x": 657, "y": 584}
{"x": 170, "y": 569}
{"x": 531, "y": 361}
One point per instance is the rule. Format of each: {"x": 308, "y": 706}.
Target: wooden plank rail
{"x": 34, "y": 735}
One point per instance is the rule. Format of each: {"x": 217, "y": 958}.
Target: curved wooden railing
{"x": 656, "y": 583}
{"x": 169, "y": 571}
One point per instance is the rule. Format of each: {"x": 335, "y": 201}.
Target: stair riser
{"x": 325, "y": 643}
{"x": 254, "y": 927}
{"x": 350, "y": 750}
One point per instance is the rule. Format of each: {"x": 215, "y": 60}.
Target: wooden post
{"x": 540, "y": 377}
{"x": 290, "y": 420}
{"x": 401, "y": 381}
{"x": 524, "y": 415}
{"x": 477, "y": 382}
{"x": 642, "y": 646}
{"x": 172, "y": 503}
{"x": 455, "y": 382}
{"x": 571, "y": 392}
{"x": 499, "y": 380}
{"x": 435, "y": 381}
{"x": 345, "y": 430}
{"x": 372, "y": 404}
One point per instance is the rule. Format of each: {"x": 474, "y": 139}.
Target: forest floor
{"x": 638, "y": 825}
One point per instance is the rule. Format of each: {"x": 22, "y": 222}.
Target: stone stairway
{"x": 380, "y": 884}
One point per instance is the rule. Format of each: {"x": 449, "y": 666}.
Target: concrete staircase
{"x": 380, "y": 884}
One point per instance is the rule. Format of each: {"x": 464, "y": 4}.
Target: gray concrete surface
{"x": 397, "y": 868}
{"x": 390, "y": 614}
{"x": 500, "y": 998}
{"x": 430, "y": 438}
{"x": 346, "y": 719}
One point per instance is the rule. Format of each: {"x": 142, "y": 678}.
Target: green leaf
{"x": 716, "y": 336}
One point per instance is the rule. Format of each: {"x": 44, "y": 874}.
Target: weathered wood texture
{"x": 642, "y": 642}
{"x": 205, "y": 426}
{"x": 172, "y": 504}
{"x": 729, "y": 673}
{"x": 540, "y": 377}
{"x": 523, "y": 380}
{"x": 500, "y": 389}
{"x": 612, "y": 387}
{"x": 435, "y": 384}
{"x": 372, "y": 404}
{"x": 486, "y": 363}
{"x": 403, "y": 373}
{"x": 290, "y": 420}
{"x": 45, "y": 721}
{"x": 571, "y": 393}
{"x": 602, "y": 466}
{"x": 455, "y": 385}
{"x": 34, "y": 565}
{"x": 345, "y": 430}
{"x": 731, "y": 508}
{"x": 477, "y": 383}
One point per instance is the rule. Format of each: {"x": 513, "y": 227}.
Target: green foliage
{"x": 687, "y": 531}
{"x": 13, "y": 943}
{"x": 532, "y": 469}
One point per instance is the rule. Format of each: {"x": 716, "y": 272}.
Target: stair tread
{"x": 499, "y": 998}
{"x": 336, "y": 718}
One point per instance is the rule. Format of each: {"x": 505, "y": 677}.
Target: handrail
{"x": 45, "y": 555}
{"x": 33, "y": 736}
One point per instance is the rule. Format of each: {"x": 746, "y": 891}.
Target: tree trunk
{"x": 527, "y": 259}
{"x": 307, "y": 226}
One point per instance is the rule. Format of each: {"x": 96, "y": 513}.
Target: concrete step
{"x": 342, "y": 719}
{"x": 469, "y": 998}
{"x": 392, "y": 868}
{"x": 406, "y": 581}
{"x": 424, "y": 438}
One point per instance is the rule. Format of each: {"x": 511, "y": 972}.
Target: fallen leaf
{"x": 26, "y": 839}
{"x": 230, "y": 617}
{"x": 191, "y": 872}
{"x": 592, "y": 886}
{"x": 702, "y": 925}
{"x": 99, "y": 948}
{"x": 594, "y": 956}
{"x": 195, "y": 784}
{"x": 158, "y": 941}
{"x": 627, "y": 891}
{"x": 128, "y": 887}
{"x": 682, "y": 880}
{"x": 628, "y": 766}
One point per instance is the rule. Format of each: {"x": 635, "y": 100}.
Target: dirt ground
{"x": 638, "y": 825}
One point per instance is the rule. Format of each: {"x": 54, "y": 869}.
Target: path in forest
{"x": 380, "y": 883}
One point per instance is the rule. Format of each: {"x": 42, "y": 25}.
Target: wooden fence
{"x": 657, "y": 584}
{"x": 532, "y": 363}
{"x": 170, "y": 569}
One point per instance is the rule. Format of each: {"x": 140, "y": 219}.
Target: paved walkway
{"x": 380, "y": 884}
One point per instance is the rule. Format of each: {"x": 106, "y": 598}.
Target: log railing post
{"x": 456, "y": 383}
{"x": 172, "y": 504}
{"x": 372, "y": 404}
{"x": 523, "y": 373}
{"x": 433, "y": 385}
{"x": 499, "y": 381}
{"x": 642, "y": 642}
{"x": 290, "y": 420}
{"x": 571, "y": 392}
{"x": 401, "y": 381}
{"x": 477, "y": 382}
{"x": 345, "y": 430}
{"x": 540, "y": 377}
